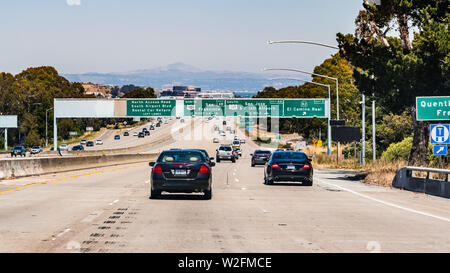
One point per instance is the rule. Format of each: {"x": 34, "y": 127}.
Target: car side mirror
{"x": 211, "y": 158}
{"x": 152, "y": 164}
{"x": 251, "y": 154}
{"x": 212, "y": 164}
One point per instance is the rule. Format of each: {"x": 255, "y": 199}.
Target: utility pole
{"x": 363, "y": 156}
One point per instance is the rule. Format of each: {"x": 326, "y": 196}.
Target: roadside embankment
{"x": 40, "y": 166}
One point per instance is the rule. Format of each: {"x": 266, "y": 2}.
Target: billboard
{"x": 8, "y": 121}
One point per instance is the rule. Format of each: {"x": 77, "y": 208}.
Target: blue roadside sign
{"x": 440, "y": 133}
{"x": 440, "y": 150}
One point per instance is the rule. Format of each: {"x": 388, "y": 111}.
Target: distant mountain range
{"x": 180, "y": 74}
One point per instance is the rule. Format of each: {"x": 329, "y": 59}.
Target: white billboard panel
{"x": 84, "y": 108}
{"x": 8, "y": 121}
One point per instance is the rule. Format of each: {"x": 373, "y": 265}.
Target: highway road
{"x": 109, "y": 210}
{"x": 158, "y": 136}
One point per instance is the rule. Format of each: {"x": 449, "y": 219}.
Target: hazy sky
{"x": 78, "y": 36}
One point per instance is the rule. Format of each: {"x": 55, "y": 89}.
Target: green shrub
{"x": 264, "y": 140}
{"x": 398, "y": 151}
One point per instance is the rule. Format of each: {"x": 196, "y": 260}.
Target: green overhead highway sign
{"x": 302, "y": 108}
{"x": 283, "y": 108}
{"x": 150, "y": 107}
{"x": 433, "y": 108}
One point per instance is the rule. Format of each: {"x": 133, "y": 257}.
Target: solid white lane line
{"x": 387, "y": 203}
{"x": 237, "y": 180}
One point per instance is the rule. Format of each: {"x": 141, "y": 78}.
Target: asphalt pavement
{"x": 109, "y": 210}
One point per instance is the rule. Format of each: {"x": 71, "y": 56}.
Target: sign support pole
{"x": 55, "y": 133}
{"x": 6, "y": 139}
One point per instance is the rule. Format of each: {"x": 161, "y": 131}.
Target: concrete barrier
{"x": 404, "y": 179}
{"x": 40, "y": 166}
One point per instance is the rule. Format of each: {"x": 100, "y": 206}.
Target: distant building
{"x": 180, "y": 91}
{"x": 98, "y": 90}
{"x": 216, "y": 95}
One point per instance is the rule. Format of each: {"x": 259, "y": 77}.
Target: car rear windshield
{"x": 225, "y": 148}
{"x": 236, "y": 142}
{"x": 289, "y": 155}
{"x": 262, "y": 152}
{"x": 181, "y": 157}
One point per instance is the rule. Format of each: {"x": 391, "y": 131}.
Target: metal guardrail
{"x": 404, "y": 179}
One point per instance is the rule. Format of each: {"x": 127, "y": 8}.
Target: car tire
{"x": 253, "y": 165}
{"x": 218, "y": 160}
{"x": 155, "y": 194}
{"x": 233, "y": 160}
{"x": 207, "y": 195}
{"x": 267, "y": 181}
{"x": 309, "y": 183}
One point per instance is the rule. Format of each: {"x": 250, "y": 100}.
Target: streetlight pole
{"x": 374, "y": 146}
{"x": 363, "y": 156}
{"x": 46, "y": 127}
{"x": 329, "y": 106}
{"x": 318, "y": 75}
{"x": 315, "y": 44}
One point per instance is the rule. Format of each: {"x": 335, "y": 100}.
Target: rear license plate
{"x": 180, "y": 172}
{"x": 290, "y": 167}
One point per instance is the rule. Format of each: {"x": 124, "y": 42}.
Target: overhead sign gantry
{"x": 138, "y": 108}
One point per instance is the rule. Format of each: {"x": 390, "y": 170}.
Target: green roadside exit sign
{"x": 433, "y": 108}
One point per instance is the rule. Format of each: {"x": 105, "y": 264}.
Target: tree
{"x": 29, "y": 94}
{"x": 402, "y": 69}
{"x": 140, "y": 93}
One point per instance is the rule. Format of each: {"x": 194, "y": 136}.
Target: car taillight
{"x": 306, "y": 166}
{"x": 157, "y": 169}
{"x": 203, "y": 169}
{"x": 275, "y": 166}
{"x": 255, "y": 156}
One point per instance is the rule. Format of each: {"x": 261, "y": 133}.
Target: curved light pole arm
{"x": 301, "y": 42}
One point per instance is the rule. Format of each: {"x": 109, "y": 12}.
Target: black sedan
{"x": 289, "y": 166}
{"x": 78, "y": 148}
{"x": 90, "y": 144}
{"x": 260, "y": 157}
{"x": 181, "y": 171}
